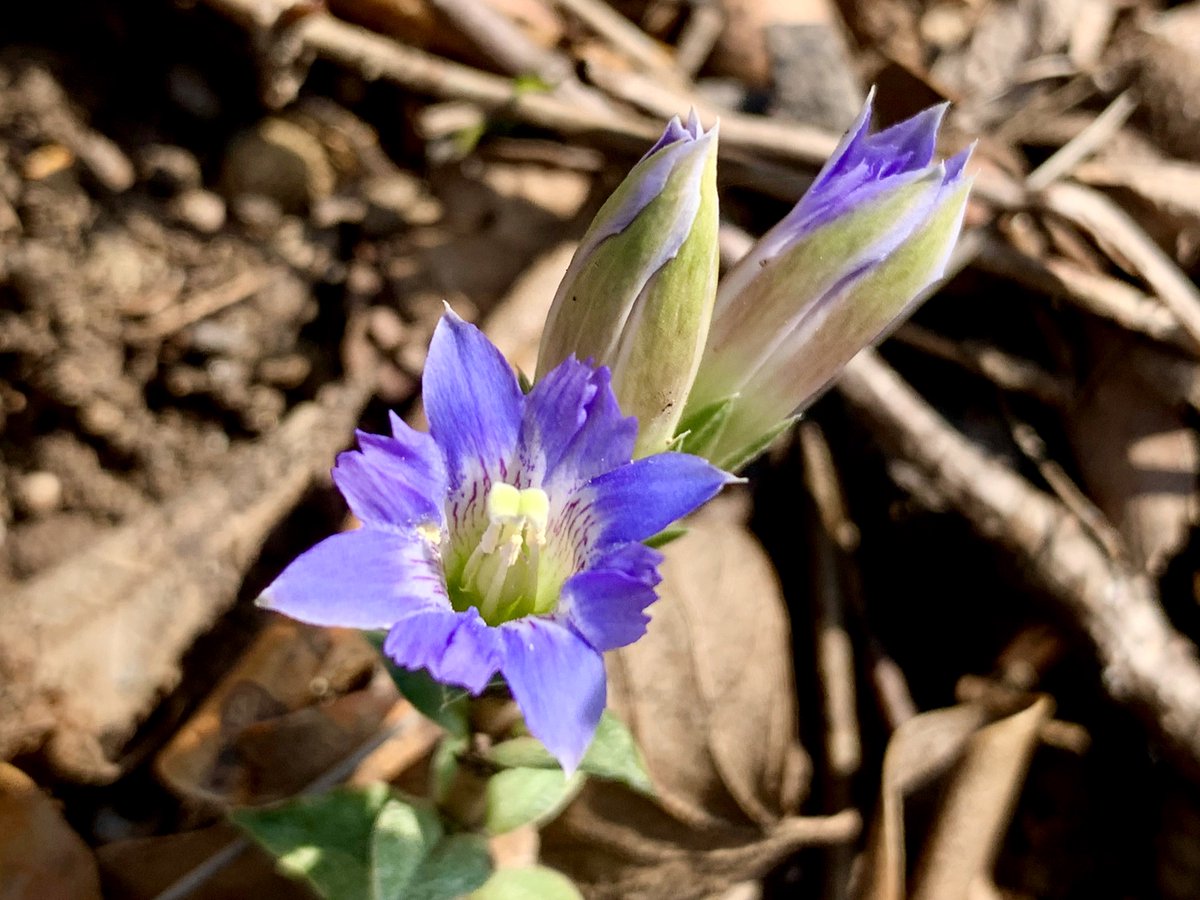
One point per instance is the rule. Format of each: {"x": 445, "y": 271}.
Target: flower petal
{"x": 456, "y": 648}
{"x": 557, "y": 679}
{"x": 574, "y": 427}
{"x": 398, "y": 480}
{"x": 370, "y": 578}
{"x": 473, "y": 402}
{"x": 607, "y": 606}
{"x": 555, "y": 410}
{"x": 639, "y": 500}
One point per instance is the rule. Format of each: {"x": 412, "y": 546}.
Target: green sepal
{"x": 739, "y": 459}
{"x": 701, "y": 430}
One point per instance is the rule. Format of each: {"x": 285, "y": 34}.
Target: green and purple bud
{"x": 852, "y": 258}
{"x": 638, "y": 295}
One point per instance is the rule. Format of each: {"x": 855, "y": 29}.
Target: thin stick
{"x": 1099, "y": 294}
{"x": 705, "y": 23}
{"x": 1084, "y": 144}
{"x": 623, "y": 35}
{"x": 198, "y": 306}
{"x": 1148, "y": 666}
{"x": 1112, "y": 226}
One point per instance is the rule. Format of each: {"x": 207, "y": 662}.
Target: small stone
{"x": 199, "y": 209}
{"x": 386, "y": 328}
{"x": 363, "y": 279}
{"x": 339, "y": 209}
{"x": 38, "y": 493}
{"x": 281, "y": 160}
{"x": 396, "y": 201}
{"x": 260, "y": 214}
{"x": 285, "y": 371}
{"x": 47, "y": 160}
{"x": 170, "y": 169}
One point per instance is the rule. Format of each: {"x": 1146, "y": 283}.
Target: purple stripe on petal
{"x": 639, "y": 500}
{"x": 396, "y": 481}
{"x": 557, "y": 679}
{"x": 456, "y": 648}
{"x": 472, "y": 399}
{"x": 370, "y": 578}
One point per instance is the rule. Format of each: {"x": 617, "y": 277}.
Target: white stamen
{"x": 517, "y": 519}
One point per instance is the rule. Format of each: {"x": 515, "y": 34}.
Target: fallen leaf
{"x": 1137, "y": 455}
{"x": 41, "y": 858}
{"x": 719, "y": 736}
{"x": 295, "y": 686}
{"x": 142, "y": 868}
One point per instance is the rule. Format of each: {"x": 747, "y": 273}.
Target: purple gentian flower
{"x": 849, "y": 260}
{"x": 638, "y": 294}
{"x": 507, "y": 539}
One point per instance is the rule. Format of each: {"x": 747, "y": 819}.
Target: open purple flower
{"x": 507, "y": 539}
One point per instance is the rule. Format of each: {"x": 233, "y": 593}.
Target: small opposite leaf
{"x": 533, "y": 883}
{"x": 325, "y": 839}
{"x": 664, "y": 537}
{"x": 457, "y": 866}
{"x": 445, "y": 705}
{"x": 516, "y": 797}
{"x": 404, "y": 835}
{"x": 613, "y": 756}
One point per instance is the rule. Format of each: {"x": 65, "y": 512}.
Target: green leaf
{"x": 457, "y": 866}
{"x": 664, "y": 537}
{"x": 365, "y": 844}
{"x": 325, "y": 839}
{"x": 532, "y": 883}
{"x": 404, "y": 835}
{"x": 444, "y": 765}
{"x": 613, "y": 755}
{"x": 519, "y": 796}
{"x": 445, "y": 705}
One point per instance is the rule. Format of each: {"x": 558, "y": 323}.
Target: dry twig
{"x": 1147, "y": 665}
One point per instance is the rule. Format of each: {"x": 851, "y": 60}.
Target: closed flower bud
{"x": 639, "y": 292}
{"x": 852, "y": 257}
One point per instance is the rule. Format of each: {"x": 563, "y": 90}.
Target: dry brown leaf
{"x": 240, "y": 747}
{"x": 1138, "y": 458}
{"x": 920, "y": 750}
{"x": 87, "y": 648}
{"x": 142, "y": 868}
{"x": 974, "y": 815}
{"x": 709, "y": 696}
{"x": 1162, "y": 60}
{"x": 41, "y": 858}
